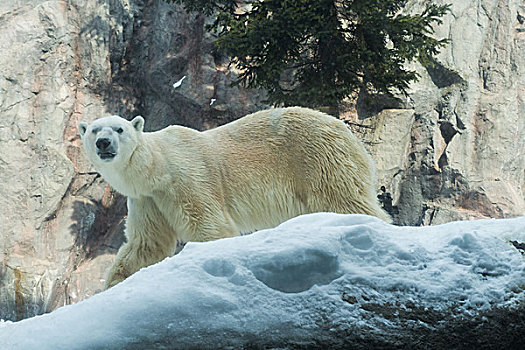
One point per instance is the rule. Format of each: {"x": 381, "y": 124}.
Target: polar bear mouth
{"x": 106, "y": 155}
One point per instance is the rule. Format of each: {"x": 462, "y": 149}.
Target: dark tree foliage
{"x": 317, "y": 52}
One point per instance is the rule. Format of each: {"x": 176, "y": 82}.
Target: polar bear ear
{"x": 82, "y": 127}
{"x": 138, "y": 123}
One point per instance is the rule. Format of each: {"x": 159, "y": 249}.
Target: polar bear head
{"x": 110, "y": 141}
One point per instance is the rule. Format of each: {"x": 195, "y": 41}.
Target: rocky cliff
{"x": 453, "y": 150}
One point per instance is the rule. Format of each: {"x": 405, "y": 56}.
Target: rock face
{"x": 454, "y": 150}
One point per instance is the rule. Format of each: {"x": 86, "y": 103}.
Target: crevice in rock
{"x": 421, "y": 219}
{"x": 459, "y": 123}
{"x": 368, "y": 104}
{"x": 521, "y": 17}
{"x": 448, "y": 131}
{"x": 442, "y": 76}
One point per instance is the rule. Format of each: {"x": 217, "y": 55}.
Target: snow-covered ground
{"x": 310, "y": 280}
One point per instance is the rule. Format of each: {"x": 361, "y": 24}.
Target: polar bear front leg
{"x": 150, "y": 239}
{"x": 124, "y": 266}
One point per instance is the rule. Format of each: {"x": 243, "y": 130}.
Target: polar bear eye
{"x": 120, "y": 130}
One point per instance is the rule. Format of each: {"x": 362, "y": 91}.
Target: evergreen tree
{"x": 317, "y": 52}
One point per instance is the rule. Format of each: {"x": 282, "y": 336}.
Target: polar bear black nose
{"x": 103, "y": 143}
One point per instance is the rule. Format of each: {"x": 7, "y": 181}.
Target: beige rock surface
{"x": 456, "y": 148}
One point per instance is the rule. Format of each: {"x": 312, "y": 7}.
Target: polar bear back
{"x": 280, "y": 163}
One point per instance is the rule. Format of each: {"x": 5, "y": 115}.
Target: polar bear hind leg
{"x": 339, "y": 176}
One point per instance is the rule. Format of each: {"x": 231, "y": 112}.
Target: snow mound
{"x": 309, "y": 281}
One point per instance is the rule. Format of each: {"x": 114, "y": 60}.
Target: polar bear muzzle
{"x": 106, "y": 149}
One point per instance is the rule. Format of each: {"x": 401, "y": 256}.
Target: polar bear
{"x": 250, "y": 174}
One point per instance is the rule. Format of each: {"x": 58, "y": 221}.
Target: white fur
{"x": 251, "y": 174}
